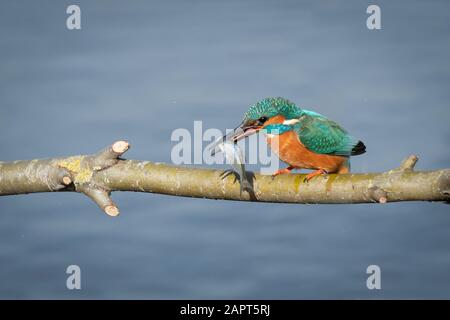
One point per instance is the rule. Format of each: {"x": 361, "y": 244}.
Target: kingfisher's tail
{"x": 358, "y": 149}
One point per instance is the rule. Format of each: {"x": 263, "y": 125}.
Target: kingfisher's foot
{"x": 314, "y": 174}
{"x": 229, "y": 172}
{"x": 283, "y": 171}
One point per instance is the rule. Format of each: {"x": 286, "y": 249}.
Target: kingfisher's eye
{"x": 262, "y": 119}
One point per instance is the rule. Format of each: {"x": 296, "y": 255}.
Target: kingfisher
{"x": 301, "y": 138}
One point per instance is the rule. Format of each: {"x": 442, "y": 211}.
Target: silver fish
{"x": 233, "y": 156}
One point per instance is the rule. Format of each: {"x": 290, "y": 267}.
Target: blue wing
{"x": 321, "y": 135}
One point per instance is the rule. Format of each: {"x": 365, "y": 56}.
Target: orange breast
{"x": 290, "y": 149}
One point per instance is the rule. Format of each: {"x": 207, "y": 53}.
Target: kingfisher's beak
{"x": 244, "y": 130}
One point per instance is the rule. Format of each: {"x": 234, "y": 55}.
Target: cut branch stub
{"x": 66, "y": 180}
{"x": 84, "y": 168}
{"x": 378, "y": 194}
{"x": 102, "y": 199}
{"x": 59, "y": 178}
{"x": 99, "y": 161}
{"x": 109, "y": 156}
{"x": 408, "y": 164}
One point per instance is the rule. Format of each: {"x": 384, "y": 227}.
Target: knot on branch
{"x": 82, "y": 169}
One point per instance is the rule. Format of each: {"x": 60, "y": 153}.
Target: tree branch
{"x": 99, "y": 174}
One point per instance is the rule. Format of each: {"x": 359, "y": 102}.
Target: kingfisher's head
{"x": 265, "y": 113}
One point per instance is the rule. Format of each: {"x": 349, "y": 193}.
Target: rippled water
{"x": 141, "y": 69}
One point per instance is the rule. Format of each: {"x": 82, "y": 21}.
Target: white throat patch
{"x": 290, "y": 122}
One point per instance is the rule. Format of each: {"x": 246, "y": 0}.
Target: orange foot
{"x": 283, "y": 171}
{"x": 314, "y": 174}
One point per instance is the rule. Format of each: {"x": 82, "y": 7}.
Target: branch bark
{"x": 100, "y": 174}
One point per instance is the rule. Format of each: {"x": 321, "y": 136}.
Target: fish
{"x": 233, "y": 156}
